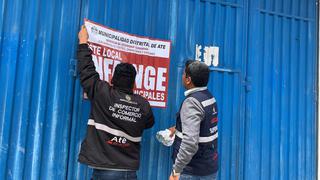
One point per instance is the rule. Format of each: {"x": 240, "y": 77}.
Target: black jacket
{"x": 116, "y": 123}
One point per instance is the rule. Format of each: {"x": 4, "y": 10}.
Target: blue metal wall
{"x": 280, "y": 104}
{"x": 264, "y": 84}
{"x": 38, "y": 39}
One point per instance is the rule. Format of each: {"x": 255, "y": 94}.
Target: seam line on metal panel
{"x": 285, "y": 15}
{"x": 224, "y": 3}
{"x": 224, "y": 70}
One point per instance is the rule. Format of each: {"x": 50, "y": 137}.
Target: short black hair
{"x": 198, "y": 72}
{"x": 124, "y": 76}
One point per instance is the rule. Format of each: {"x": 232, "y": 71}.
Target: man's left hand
{"x": 83, "y": 35}
{"x": 174, "y": 177}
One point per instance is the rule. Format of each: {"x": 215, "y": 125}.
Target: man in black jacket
{"x": 117, "y": 118}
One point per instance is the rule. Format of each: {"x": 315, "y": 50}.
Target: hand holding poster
{"x": 150, "y": 57}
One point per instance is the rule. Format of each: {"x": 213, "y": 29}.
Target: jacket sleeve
{"x": 89, "y": 78}
{"x": 191, "y": 115}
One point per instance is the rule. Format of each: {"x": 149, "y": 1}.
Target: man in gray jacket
{"x": 195, "y": 147}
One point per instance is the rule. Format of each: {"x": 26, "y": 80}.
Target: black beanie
{"x": 124, "y": 76}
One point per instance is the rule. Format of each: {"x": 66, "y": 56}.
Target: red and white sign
{"x": 150, "y": 57}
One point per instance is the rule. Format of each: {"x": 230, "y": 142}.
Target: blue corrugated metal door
{"x": 224, "y": 25}
{"x": 187, "y": 24}
{"x": 280, "y": 141}
{"x": 264, "y": 83}
{"x": 36, "y": 88}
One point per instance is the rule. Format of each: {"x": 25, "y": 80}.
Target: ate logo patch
{"x": 118, "y": 141}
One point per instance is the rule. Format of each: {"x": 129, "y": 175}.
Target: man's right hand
{"x": 83, "y": 35}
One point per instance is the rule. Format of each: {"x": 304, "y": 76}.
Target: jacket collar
{"x": 124, "y": 90}
{"x": 193, "y": 90}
